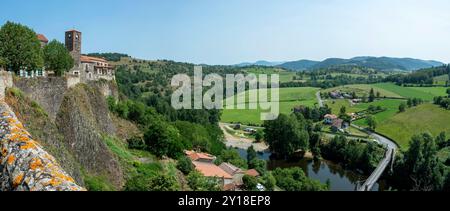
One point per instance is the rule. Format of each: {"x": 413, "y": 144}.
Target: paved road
{"x": 391, "y": 148}
{"x": 319, "y": 99}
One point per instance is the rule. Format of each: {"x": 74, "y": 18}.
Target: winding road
{"x": 391, "y": 148}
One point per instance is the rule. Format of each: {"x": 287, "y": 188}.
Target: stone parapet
{"x": 24, "y": 164}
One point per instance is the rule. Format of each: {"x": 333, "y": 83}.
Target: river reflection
{"x": 339, "y": 178}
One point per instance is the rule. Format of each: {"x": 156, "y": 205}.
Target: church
{"x": 86, "y": 68}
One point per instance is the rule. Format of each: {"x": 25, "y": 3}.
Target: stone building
{"x": 86, "y": 68}
{"x": 39, "y": 72}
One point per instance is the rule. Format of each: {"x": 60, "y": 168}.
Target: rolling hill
{"x": 377, "y": 63}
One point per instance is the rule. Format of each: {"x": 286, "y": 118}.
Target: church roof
{"x": 42, "y": 38}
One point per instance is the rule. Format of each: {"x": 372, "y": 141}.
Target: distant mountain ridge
{"x": 377, "y": 63}
{"x": 260, "y": 63}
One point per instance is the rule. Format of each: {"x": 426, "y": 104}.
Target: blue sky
{"x": 234, "y": 31}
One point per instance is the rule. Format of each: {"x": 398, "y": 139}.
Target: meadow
{"x": 391, "y": 106}
{"x": 441, "y": 80}
{"x": 390, "y": 90}
{"x": 289, "y": 98}
{"x": 285, "y": 76}
{"x": 424, "y": 118}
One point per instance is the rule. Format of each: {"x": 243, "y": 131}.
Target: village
{"x": 86, "y": 68}
{"x": 230, "y": 176}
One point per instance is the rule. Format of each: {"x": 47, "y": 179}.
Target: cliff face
{"x": 24, "y": 165}
{"x": 70, "y": 124}
{"x": 83, "y": 120}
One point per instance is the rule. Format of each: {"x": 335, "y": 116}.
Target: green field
{"x": 424, "y": 118}
{"x": 441, "y": 80}
{"x": 289, "y": 98}
{"x": 285, "y": 76}
{"x": 425, "y": 93}
{"x": 391, "y": 106}
{"x": 390, "y": 90}
{"x": 364, "y": 89}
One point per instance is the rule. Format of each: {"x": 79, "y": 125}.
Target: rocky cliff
{"x": 24, "y": 165}
{"x": 70, "y": 122}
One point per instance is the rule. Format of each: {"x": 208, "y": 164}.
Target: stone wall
{"x": 24, "y": 165}
{"x": 6, "y": 81}
{"x": 48, "y": 92}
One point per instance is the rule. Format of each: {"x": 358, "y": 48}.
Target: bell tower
{"x": 73, "y": 45}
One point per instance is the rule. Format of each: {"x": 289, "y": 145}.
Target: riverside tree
{"x": 286, "y": 135}
{"x": 57, "y": 58}
{"x": 20, "y": 48}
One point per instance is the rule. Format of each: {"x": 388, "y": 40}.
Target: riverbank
{"x": 240, "y": 142}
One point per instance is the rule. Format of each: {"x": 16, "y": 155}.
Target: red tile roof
{"x": 253, "y": 173}
{"x": 230, "y": 169}
{"x": 42, "y": 38}
{"x": 211, "y": 170}
{"x": 194, "y": 156}
{"x": 90, "y": 59}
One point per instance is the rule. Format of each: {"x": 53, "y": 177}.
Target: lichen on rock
{"x": 24, "y": 165}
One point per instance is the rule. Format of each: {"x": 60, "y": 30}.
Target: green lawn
{"x": 424, "y": 118}
{"x": 425, "y": 93}
{"x": 289, "y": 98}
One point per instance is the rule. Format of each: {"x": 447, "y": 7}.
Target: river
{"x": 340, "y": 179}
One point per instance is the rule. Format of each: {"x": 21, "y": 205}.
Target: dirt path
{"x": 239, "y": 142}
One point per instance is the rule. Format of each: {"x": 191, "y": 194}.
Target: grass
{"x": 364, "y": 89}
{"x": 118, "y": 148}
{"x": 424, "y": 93}
{"x": 390, "y": 90}
{"x": 97, "y": 183}
{"x": 424, "y": 118}
{"x": 391, "y": 106}
{"x": 285, "y": 76}
{"x": 441, "y": 80}
{"x": 289, "y": 98}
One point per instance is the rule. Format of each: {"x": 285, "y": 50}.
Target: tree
{"x": 448, "y": 91}
{"x": 371, "y": 95}
{"x": 402, "y": 107}
{"x": 371, "y": 122}
{"x": 57, "y": 58}
{"x": 286, "y": 135}
{"x": 231, "y": 156}
{"x": 259, "y": 165}
{"x": 409, "y": 103}
{"x": 269, "y": 181}
{"x": 251, "y": 153}
{"x": 185, "y": 165}
{"x": 198, "y": 182}
{"x": 162, "y": 139}
{"x": 421, "y": 164}
{"x": 378, "y": 94}
{"x": 259, "y": 136}
{"x": 20, "y": 48}
{"x": 250, "y": 183}
{"x": 2, "y": 62}
{"x": 294, "y": 179}
{"x": 163, "y": 182}
{"x": 343, "y": 111}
